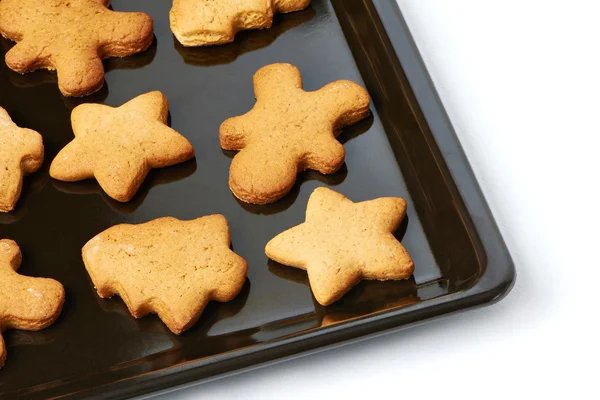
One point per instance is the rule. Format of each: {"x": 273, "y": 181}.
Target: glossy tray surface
{"x": 406, "y": 148}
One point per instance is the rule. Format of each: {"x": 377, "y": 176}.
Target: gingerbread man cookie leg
{"x": 287, "y": 6}
{"x": 342, "y": 242}
{"x": 25, "y": 303}
{"x": 21, "y": 153}
{"x": 287, "y": 131}
{"x": 79, "y": 74}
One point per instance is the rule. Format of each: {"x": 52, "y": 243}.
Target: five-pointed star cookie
{"x": 21, "y": 153}
{"x": 208, "y": 22}
{"x": 342, "y": 242}
{"x": 288, "y": 130}
{"x": 71, "y": 37}
{"x": 118, "y": 146}
{"x": 166, "y": 266}
{"x": 25, "y": 303}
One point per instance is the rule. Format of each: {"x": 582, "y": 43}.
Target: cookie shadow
{"x": 349, "y": 133}
{"x": 213, "y": 313}
{"x": 366, "y": 298}
{"x": 245, "y": 41}
{"x": 155, "y": 177}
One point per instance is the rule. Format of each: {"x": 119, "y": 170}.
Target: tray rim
{"x": 495, "y": 282}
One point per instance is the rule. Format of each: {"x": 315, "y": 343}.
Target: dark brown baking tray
{"x": 407, "y": 148}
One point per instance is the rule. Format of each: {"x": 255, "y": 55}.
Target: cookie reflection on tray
{"x": 151, "y": 326}
{"x": 365, "y": 298}
{"x": 155, "y": 177}
{"x": 245, "y": 41}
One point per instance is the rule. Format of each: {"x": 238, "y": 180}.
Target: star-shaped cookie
{"x": 206, "y": 22}
{"x": 25, "y": 303}
{"x": 166, "y": 266}
{"x": 342, "y": 242}
{"x": 119, "y": 146}
{"x": 287, "y": 131}
{"x": 21, "y": 153}
{"x": 71, "y": 37}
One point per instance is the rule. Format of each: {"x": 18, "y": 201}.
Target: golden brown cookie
{"x": 166, "y": 266}
{"x": 342, "y": 242}
{"x": 25, "y": 303}
{"x": 119, "y": 146}
{"x": 21, "y": 153}
{"x": 288, "y": 131}
{"x": 209, "y": 22}
{"x": 71, "y": 37}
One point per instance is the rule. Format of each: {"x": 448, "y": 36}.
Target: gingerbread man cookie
{"x": 21, "y": 153}
{"x": 25, "y": 303}
{"x": 288, "y": 130}
{"x": 71, "y": 37}
{"x": 207, "y": 22}
{"x": 119, "y": 146}
{"x": 167, "y": 266}
{"x": 342, "y": 242}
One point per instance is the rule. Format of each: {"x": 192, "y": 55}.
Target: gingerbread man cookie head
{"x": 71, "y": 37}
{"x": 25, "y": 303}
{"x": 21, "y": 153}
{"x": 288, "y": 130}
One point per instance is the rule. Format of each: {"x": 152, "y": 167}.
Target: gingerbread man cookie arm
{"x": 348, "y": 103}
{"x": 25, "y": 57}
{"x": 287, "y": 6}
{"x": 234, "y": 132}
{"x": 34, "y": 148}
{"x": 132, "y": 32}
{"x": 24, "y": 155}
{"x": 31, "y": 144}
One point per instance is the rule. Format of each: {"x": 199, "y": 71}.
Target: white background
{"x": 520, "y": 80}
